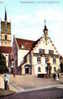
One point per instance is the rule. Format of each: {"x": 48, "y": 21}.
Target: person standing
{"x": 48, "y": 70}
{"x": 54, "y": 74}
{"x": 6, "y": 80}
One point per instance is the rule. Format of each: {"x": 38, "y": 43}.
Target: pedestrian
{"x": 14, "y": 72}
{"x": 6, "y": 79}
{"x": 54, "y": 74}
{"x": 57, "y": 78}
{"x": 57, "y": 75}
{"x": 48, "y": 70}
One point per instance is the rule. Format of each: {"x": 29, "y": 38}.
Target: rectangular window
{"x": 54, "y": 60}
{"x": 41, "y": 51}
{"x": 39, "y": 69}
{"x": 5, "y": 37}
{"x": 46, "y": 60}
{"x": 39, "y": 59}
{"x": 51, "y": 52}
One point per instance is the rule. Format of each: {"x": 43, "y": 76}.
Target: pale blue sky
{"x": 27, "y": 18}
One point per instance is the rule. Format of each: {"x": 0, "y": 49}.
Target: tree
{"x": 3, "y": 66}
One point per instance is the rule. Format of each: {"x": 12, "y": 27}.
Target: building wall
{"x": 42, "y": 45}
{"x": 7, "y": 58}
{"x": 35, "y": 53}
{"x": 27, "y": 62}
{"x": 6, "y": 42}
{"x": 21, "y": 54}
{"x": 15, "y": 53}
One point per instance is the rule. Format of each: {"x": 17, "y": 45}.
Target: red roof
{"x": 28, "y": 44}
{"x": 4, "y": 49}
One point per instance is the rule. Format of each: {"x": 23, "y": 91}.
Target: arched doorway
{"x": 28, "y": 69}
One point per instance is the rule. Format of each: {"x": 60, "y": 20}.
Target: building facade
{"x": 32, "y": 57}
{"x": 20, "y": 49}
{"x": 5, "y": 38}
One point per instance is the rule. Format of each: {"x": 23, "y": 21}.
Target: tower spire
{"x": 45, "y": 30}
{"x": 5, "y": 18}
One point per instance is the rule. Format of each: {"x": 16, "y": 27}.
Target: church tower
{"x": 5, "y": 32}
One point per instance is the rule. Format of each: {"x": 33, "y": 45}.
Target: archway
{"x": 28, "y": 69}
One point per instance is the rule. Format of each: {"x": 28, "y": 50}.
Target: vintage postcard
{"x": 31, "y": 50}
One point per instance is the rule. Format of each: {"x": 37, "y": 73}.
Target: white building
{"x": 32, "y": 57}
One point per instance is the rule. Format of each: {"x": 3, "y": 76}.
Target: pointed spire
{"x": 5, "y": 15}
{"x": 45, "y": 30}
{"x": 45, "y": 27}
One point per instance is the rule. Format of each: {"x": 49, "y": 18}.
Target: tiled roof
{"x": 4, "y": 49}
{"x": 28, "y": 44}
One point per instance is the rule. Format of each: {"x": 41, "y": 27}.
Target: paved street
{"x": 30, "y": 87}
{"x": 28, "y": 82}
{"x": 53, "y": 93}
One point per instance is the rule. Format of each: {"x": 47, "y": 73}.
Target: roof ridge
{"x": 25, "y": 39}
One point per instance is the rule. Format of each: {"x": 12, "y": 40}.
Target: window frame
{"x": 39, "y": 60}
{"x": 54, "y": 60}
{"x": 5, "y": 37}
{"x": 39, "y": 69}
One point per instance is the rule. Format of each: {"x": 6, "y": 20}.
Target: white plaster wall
{"x": 21, "y": 54}
{"x": 1, "y": 82}
{"x": 6, "y": 55}
{"x": 42, "y": 65}
{"x": 42, "y": 45}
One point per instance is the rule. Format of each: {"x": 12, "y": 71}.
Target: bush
{"x": 3, "y": 67}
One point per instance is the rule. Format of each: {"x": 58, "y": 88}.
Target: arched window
{"x": 39, "y": 69}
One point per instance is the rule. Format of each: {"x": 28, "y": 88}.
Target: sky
{"x": 27, "y": 19}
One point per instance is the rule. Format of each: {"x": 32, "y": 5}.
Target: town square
{"x": 31, "y": 57}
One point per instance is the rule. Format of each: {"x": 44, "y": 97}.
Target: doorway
{"x": 26, "y": 70}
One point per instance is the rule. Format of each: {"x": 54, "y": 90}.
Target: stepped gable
{"x": 36, "y": 42}
{"x": 28, "y": 44}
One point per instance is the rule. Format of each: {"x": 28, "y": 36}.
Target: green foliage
{"x": 3, "y": 66}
